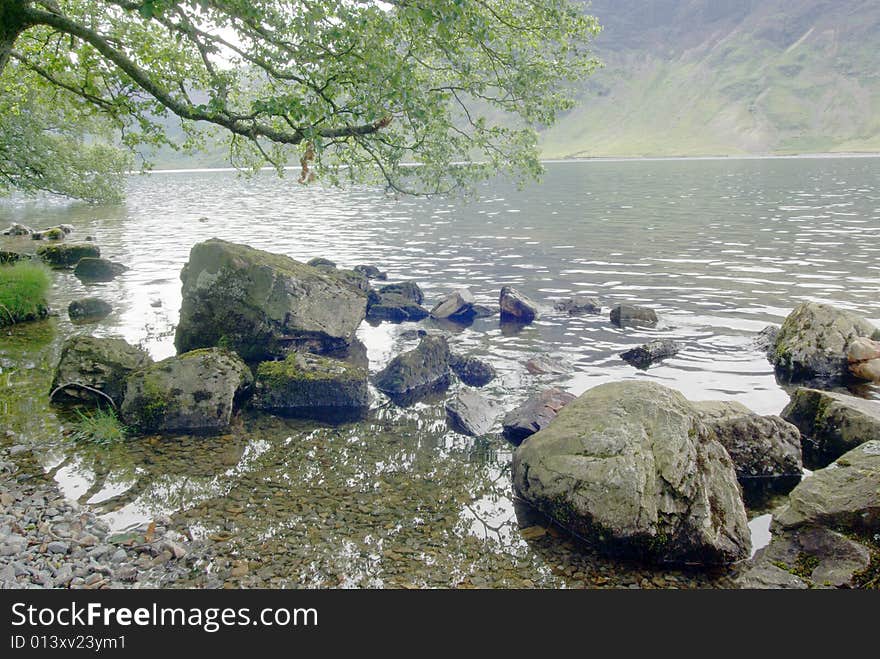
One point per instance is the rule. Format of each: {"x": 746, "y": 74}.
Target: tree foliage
{"x": 345, "y": 89}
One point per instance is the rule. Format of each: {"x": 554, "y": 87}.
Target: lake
{"x": 720, "y": 248}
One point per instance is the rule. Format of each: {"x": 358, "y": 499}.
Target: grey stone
{"x": 534, "y": 414}
{"x": 472, "y": 371}
{"x": 624, "y": 315}
{"x": 98, "y": 363}
{"x": 264, "y": 305}
{"x": 196, "y": 392}
{"x": 832, "y": 423}
{"x": 516, "y": 307}
{"x": 813, "y": 342}
{"x": 844, "y": 495}
{"x": 415, "y": 373}
{"x": 311, "y": 386}
{"x": 92, "y": 269}
{"x": 457, "y": 306}
{"x": 58, "y": 547}
{"x": 470, "y": 414}
{"x": 579, "y": 306}
{"x": 760, "y": 446}
{"x": 631, "y": 467}
{"x": 649, "y": 353}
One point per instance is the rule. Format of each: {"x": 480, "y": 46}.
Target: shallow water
{"x": 719, "y": 248}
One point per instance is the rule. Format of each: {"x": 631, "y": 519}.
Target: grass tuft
{"x": 23, "y": 289}
{"x": 100, "y": 427}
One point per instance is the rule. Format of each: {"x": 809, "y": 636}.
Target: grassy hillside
{"x": 703, "y": 77}
{"x": 714, "y": 77}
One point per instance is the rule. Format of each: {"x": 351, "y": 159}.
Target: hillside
{"x": 714, "y": 77}
{"x": 703, "y": 77}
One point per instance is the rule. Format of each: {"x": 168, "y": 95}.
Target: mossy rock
{"x": 631, "y": 467}
{"x": 263, "y": 305}
{"x": 67, "y": 255}
{"x": 813, "y": 341}
{"x": 194, "y": 392}
{"x": 313, "y": 386}
{"x": 89, "y": 362}
{"x": 88, "y": 309}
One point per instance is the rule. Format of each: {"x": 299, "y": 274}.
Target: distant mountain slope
{"x": 702, "y": 77}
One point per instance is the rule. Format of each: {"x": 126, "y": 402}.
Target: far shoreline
{"x": 584, "y": 159}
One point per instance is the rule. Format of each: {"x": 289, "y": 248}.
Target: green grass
{"x": 23, "y": 289}
{"x": 99, "y": 426}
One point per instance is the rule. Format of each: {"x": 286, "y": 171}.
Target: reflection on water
{"x": 719, "y": 248}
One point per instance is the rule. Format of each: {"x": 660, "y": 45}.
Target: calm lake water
{"x": 720, "y": 248}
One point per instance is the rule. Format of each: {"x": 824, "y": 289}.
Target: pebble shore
{"x": 47, "y": 541}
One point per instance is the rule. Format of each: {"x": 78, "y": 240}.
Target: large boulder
{"x": 760, "y": 446}
{"x": 193, "y": 392}
{"x": 470, "y": 413}
{"x": 91, "y": 269}
{"x": 579, "y": 305}
{"x": 649, "y": 353}
{"x": 845, "y": 495}
{"x": 263, "y": 305}
{"x": 832, "y": 423}
{"x": 472, "y": 371}
{"x": 630, "y": 466}
{"x": 312, "y": 386}
{"x": 516, "y": 307}
{"x": 624, "y": 315}
{"x": 813, "y": 341}
{"x": 88, "y": 309}
{"x": 534, "y": 414}
{"x": 89, "y": 363}
{"x": 418, "y": 372}
{"x": 457, "y": 306}
{"x": 67, "y": 255}
{"x": 863, "y": 358}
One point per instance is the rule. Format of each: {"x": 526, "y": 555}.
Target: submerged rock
{"x": 370, "y": 272}
{"x": 579, "y": 306}
{"x": 534, "y": 414}
{"x": 516, "y": 307}
{"x": 844, "y": 495}
{"x": 88, "y": 362}
{"x": 312, "y": 386}
{"x": 263, "y": 305}
{"x": 813, "y": 342}
{"x": 67, "y": 255}
{"x": 53, "y": 233}
{"x": 863, "y": 358}
{"x": 16, "y": 229}
{"x": 649, "y": 353}
{"x": 624, "y": 315}
{"x": 811, "y": 557}
{"x": 88, "y": 309}
{"x": 470, "y": 414}
{"x": 192, "y": 392}
{"x": 472, "y": 371}
{"x": 97, "y": 269}
{"x": 418, "y": 372}
{"x": 457, "y": 306}
{"x": 542, "y": 365}
{"x": 832, "y": 423}
{"x": 631, "y": 467}
{"x": 760, "y": 446}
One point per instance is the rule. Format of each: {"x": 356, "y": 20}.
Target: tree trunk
{"x": 13, "y": 21}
